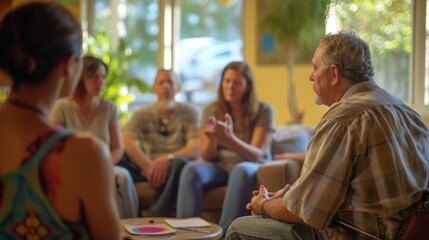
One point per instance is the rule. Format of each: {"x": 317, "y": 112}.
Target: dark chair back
{"x": 416, "y": 226}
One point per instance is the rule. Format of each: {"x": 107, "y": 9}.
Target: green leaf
{"x": 141, "y": 86}
{"x": 118, "y": 61}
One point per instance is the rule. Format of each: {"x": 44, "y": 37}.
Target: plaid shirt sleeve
{"x": 366, "y": 164}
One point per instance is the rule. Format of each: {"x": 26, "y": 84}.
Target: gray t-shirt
{"x": 227, "y": 158}
{"x": 158, "y": 135}
{"x": 66, "y": 114}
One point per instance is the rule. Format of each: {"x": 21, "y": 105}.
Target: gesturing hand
{"x": 224, "y": 130}
{"x": 211, "y": 127}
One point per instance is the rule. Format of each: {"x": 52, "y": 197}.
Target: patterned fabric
{"x": 366, "y": 164}
{"x": 25, "y": 212}
{"x": 147, "y": 123}
{"x": 227, "y": 158}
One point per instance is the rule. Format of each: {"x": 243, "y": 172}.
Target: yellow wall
{"x": 73, "y": 5}
{"x": 271, "y": 80}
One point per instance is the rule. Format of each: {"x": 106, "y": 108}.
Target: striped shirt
{"x": 179, "y": 127}
{"x": 367, "y": 164}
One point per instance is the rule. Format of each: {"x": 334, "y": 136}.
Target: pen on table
{"x": 193, "y": 230}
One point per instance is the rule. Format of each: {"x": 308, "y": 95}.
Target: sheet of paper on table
{"x": 187, "y": 222}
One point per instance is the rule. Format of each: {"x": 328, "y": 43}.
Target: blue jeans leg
{"x": 239, "y": 192}
{"x": 126, "y": 194}
{"x": 196, "y": 178}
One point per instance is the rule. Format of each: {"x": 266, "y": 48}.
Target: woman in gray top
{"x": 85, "y": 111}
{"x": 235, "y": 137}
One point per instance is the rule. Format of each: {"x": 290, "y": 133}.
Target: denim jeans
{"x": 198, "y": 177}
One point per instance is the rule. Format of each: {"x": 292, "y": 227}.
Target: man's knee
{"x": 231, "y": 232}
{"x": 242, "y": 228}
{"x": 179, "y": 162}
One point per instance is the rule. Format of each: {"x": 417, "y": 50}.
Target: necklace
{"x": 24, "y": 105}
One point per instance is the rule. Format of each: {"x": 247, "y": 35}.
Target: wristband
{"x": 262, "y": 207}
{"x": 171, "y": 156}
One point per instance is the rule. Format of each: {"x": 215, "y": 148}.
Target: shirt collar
{"x": 352, "y": 89}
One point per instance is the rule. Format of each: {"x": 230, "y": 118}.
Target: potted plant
{"x": 119, "y": 80}
{"x": 296, "y": 25}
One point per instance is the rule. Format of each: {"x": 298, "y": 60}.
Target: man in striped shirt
{"x": 159, "y": 140}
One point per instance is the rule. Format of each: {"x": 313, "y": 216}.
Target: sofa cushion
{"x": 275, "y": 175}
{"x": 212, "y": 202}
{"x": 291, "y": 139}
{"x": 145, "y": 193}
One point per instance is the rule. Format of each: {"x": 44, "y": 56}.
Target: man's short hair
{"x": 350, "y": 53}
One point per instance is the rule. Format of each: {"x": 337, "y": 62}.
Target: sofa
{"x": 274, "y": 175}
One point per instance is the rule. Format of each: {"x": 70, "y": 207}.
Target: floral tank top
{"x": 25, "y": 212}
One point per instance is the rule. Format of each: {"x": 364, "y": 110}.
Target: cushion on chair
{"x": 144, "y": 191}
{"x": 416, "y": 226}
{"x": 275, "y": 175}
{"x": 291, "y": 139}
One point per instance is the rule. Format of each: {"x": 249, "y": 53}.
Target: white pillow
{"x": 291, "y": 139}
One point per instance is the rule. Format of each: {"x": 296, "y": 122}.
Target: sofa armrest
{"x": 276, "y": 174}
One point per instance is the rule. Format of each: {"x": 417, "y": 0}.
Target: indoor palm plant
{"x": 297, "y": 25}
{"x": 119, "y": 80}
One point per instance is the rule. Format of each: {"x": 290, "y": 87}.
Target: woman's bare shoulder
{"x": 85, "y": 149}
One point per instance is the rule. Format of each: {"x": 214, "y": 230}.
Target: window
{"x": 205, "y": 37}
{"x": 392, "y": 29}
{"x": 387, "y": 27}
{"x": 198, "y": 37}
{"x": 137, "y": 22}
{"x": 426, "y": 47}
{"x": 210, "y": 37}
{"x": 420, "y": 60}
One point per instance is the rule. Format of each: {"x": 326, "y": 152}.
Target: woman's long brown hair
{"x": 250, "y": 103}
{"x": 90, "y": 67}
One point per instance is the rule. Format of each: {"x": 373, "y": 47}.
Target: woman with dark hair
{"x": 235, "y": 137}
{"x": 54, "y": 184}
{"x": 85, "y": 111}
